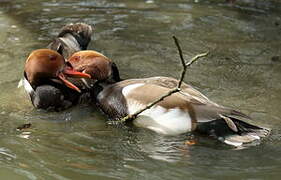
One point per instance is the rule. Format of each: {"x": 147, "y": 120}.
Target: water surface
{"x": 243, "y": 71}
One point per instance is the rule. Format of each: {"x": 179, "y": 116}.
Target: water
{"x": 243, "y": 71}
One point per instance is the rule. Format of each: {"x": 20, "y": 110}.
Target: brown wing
{"x": 191, "y": 93}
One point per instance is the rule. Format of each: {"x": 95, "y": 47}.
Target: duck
{"x": 72, "y": 38}
{"x": 97, "y": 65}
{"x": 185, "y": 111}
{"x": 182, "y": 112}
{"x": 45, "y": 80}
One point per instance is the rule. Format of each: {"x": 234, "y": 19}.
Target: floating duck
{"x": 182, "y": 112}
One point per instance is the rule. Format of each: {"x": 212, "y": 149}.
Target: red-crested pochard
{"x": 182, "y": 112}
{"x": 95, "y": 64}
{"x": 45, "y": 81}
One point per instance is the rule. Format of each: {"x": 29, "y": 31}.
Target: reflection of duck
{"x": 179, "y": 113}
{"x": 45, "y": 82}
{"x": 164, "y": 148}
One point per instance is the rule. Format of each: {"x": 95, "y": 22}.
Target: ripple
{"x": 77, "y": 143}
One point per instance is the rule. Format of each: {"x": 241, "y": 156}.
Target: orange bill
{"x": 68, "y": 83}
{"x": 72, "y": 73}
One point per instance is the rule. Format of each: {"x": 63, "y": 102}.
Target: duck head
{"x": 95, "y": 64}
{"x": 43, "y": 65}
{"x": 72, "y": 38}
{"x": 80, "y": 31}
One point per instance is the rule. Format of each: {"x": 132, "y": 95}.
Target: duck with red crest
{"x": 45, "y": 80}
{"x": 95, "y": 64}
{"x": 182, "y": 112}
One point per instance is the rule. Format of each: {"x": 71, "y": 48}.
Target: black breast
{"x": 112, "y": 102}
{"x": 56, "y": 97}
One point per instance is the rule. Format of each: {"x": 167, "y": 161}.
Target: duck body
{"x": 179, "y": 113}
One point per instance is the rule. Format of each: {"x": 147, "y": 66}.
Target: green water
{"x": 243, "y": 71}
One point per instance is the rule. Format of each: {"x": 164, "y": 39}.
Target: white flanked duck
{"x": 182, "y": 112}
{"x": 179, "y": 113}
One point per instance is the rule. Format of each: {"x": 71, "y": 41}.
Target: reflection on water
{"x": 243, "y": 71}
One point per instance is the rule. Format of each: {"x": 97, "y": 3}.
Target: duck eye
{"x": 76, "y": 58}
{"x": 68, "y": 64}
{"x": 52, "y": 57}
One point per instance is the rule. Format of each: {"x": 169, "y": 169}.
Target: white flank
{"x": 161, "y": 120}
{"x": 233, "y": 143}
{"x": 28, "y": 88}
{"x": 256, "y": 137}
{"x": 126, "y": 90}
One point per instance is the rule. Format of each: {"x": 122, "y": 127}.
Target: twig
{"x": 184, "y": 64}
{"x": 175, "y": 90}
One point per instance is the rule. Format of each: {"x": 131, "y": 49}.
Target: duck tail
{"x": 72, "y": 38}
{"x": 233, "y": 131}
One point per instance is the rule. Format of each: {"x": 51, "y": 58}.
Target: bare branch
{"x": 195, "y": 58}
{"x": 180, "y": 51}
{"x": 169, "y": 93}
{"x": 184, "y": 64}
